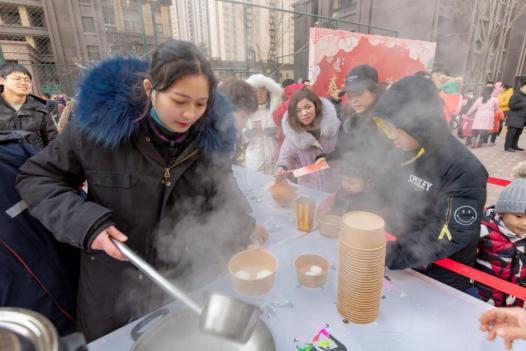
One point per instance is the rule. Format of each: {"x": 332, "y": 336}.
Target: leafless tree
{"x": 490, "y": 25}
{"x": 266, "y": 56}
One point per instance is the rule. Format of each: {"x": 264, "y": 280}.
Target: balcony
{"x": 22, "y": 20}
{"x": 23, "y": 52}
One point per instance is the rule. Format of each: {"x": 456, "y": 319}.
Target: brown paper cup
{"x": 303, "y": 264}
{"x": 283, "y": 193}
{"x": 253, "y": 262}
{"x": 362, "y": 250}
{"x": 363, "y": 230}
{"x": 330, "y": 225}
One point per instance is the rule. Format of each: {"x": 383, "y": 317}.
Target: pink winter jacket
{"x": 484, "y": 113}
{"x": 301, "y": 148}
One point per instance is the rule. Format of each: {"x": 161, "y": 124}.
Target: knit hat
{"x": 513, "y": 198}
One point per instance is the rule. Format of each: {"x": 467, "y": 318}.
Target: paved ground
{"x": 499, "y": 163}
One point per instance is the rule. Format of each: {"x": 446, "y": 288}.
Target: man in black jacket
{"x": 20, "y": 110}
{"x": 516, "y": 119}
{"x": 438, "y": 195}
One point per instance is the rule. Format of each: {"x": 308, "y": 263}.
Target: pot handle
{"x": 137, "y": 330}
{"x": 73, "y": 342}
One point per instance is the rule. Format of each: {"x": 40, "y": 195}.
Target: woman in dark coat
{"x": 154, "y": 145}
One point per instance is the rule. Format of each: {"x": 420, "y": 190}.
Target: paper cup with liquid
{"x": 304, "y": 213}
{"x": 253, "y": 271}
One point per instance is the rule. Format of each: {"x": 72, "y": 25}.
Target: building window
{"x": 93, "y": 53}
{"x": 344, "y": 8}
{"x": 131, "y": 26}
{"x": 108, "y": 15}
{"x": 131, "y": 21}
{"x": 88, "y": 24}
{"x": 130, "y": 3}
{"x": 9, "y": 15}
{"x": 36, "y": 16}
{"x": 159, "y": 29}
{"x": 85, "y": 1}
{"x": 43, "y": 45}
{"x": 138, "y": 49}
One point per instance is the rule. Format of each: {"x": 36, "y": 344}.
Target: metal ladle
{"x": 222, "y": 316}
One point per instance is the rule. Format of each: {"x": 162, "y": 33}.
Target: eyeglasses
{"x": 20, "y": 80}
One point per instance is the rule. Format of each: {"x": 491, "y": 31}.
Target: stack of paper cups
{"x": 361, "y": 249}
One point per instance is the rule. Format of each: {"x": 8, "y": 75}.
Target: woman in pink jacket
{"x": 311, "y": 129}
{"x": 484, "y": 110}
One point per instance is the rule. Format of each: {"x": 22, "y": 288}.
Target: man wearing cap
{"x": 437, "y": 200}
{"x": 363, "y": 153}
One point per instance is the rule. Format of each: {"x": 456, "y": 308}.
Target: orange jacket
{"x": 499, "y": 116}
{"x": 452, "y": 104}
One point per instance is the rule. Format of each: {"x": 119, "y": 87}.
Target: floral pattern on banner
{"x": 333, "y": 53}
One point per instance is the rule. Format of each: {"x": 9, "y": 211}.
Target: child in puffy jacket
{"x": 501, "y": 249}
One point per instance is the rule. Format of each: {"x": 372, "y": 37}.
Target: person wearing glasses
{"x": 21, "y": 110}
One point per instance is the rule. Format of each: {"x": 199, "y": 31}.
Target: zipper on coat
{"x": 445, "y": 228}
{"x": 167, "y": 175}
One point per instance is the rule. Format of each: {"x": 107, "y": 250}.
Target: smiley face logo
{"x": 465, "y": 215}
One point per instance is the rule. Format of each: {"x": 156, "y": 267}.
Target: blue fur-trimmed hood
{"x": 108, "y": 108}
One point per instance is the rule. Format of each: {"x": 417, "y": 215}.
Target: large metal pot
{"x": 26, "y": 330}
{"x": 180, "y": 332}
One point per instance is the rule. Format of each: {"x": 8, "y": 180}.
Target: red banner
{"x": 333, "y": 53}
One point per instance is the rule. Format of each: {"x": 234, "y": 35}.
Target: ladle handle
{"x": 158, "y": 279}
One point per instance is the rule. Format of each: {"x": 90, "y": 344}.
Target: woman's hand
{"x": 508, "y": 323}
{"x": 103, "y": 242}
{"x": 320, "y": 160}
{"x": 280, "y": 174}
{"x": 260, "y": 234}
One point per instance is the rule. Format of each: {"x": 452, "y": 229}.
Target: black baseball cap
{"x": 360, "y": 78}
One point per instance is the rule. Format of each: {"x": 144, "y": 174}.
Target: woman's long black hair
{"x": 486, "y": 93}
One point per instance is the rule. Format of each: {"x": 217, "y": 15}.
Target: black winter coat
{"x": 517, "y": 115}
{"x": 444, "y": 188}
{"x": 32, "y": 117}
{"x": 363, "y": 151}
{"x": 186, "y": 217}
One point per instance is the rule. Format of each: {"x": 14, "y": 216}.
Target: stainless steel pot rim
{"x": 30, "y": 325}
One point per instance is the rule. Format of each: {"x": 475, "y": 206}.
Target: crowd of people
{"x": 147, "y": 155}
